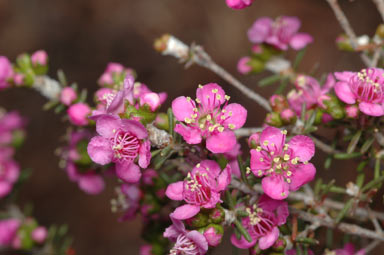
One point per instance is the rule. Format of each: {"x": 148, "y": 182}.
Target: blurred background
{"x": 81, "y": 37}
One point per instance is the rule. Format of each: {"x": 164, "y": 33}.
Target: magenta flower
{"x": 113, "y": 69}
{"x": 9, "y": 122}
{"x": 39, "y": 234}
{"x": 67, "y": 96}
{"x": 309, "y": 92}
{"x": 262, "y": 223}
{"x": 39, "y": 57}
{"x": 9, "y": 174}
{"x": 186, "y": 242}
{"x": 243, "y": 67}
{"x": 6, "y": 72}
{"x": 239, "y": 4}
{"x": 8, "y": 230}
{"x": 349, "y": 249}
{"x": 365, "y": 88}
{"x": 204, "y": 118}
{"x": 281, "y": 33}
{"x": 201, "y": 188}
{"x": 213, "y": 235}
{"x": 284, "y": 166}
{"x": 120, "y": 141}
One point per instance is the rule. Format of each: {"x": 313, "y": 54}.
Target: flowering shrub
{"x": 187, "y": 171}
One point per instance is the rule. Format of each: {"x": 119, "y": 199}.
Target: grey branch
{"x": 380, "y": 7}
{"x": 242, "y": 132}
{"x": 47, "y": 87}
{"x": 169, "y": 45}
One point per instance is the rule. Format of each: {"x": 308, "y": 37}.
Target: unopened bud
{"x": 254, "y": 140}
{"x": 217, "y": 215}
{"x": 213, "y": 234}
{"x": 273, "y": 119}
{"x": 288, "y": 116}
{"x": 352, "y": 111}
{"x": 198, "y": 221}
{"x": 243, "y": 66}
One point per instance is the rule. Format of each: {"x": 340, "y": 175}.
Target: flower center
{"x": 260, "y": 222}
{"x": 367, "y": 85}
{"x": 184, "y": 246}
{"x": 197, "y": 190}
{"x": 125, "y": 145}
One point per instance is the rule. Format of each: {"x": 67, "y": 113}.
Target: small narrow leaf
{"x": 354, "y": 141}
{"x": 269, "y": 80}
{"x": 298, "y": 58}
{"x": 345, "y": 210}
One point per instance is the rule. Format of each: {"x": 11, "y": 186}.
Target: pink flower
{"x": 352, "y": 111}
{"x": 309, "y": 92}
{"x": 9, "y": 122}
{"x": 39, "y": 234}
{"x": 281, "y": 33}
{"x": 186, "y": 242}
{"x": 349, "y": 249}
{"x": 239, "y": 4}
{"x": 145, "y": 96}
{"x": 146, "y": 249}
{"x": 201, "y": 188}
{"x": 213, "y": 234}
{"x": 6, "y": 72}
{"x": 68, "y": 95}
{"x": 366, "y": 88}
{"x": 243, "y": 67}
{"x": 91, "y": 183}
{"x": 204, "y": 118}
{"x": 8, "y": 229}
{"x": 39, "y": 57}
{"x": 78, "y": 114}
{"x": 284, "y": 166}
{"x": 113, "y": 70}
{"x": 9, "y": 174}
{"x": 132, "y": 195}
{"x": 262, "y": 223}
{"x": 120, "y": 141}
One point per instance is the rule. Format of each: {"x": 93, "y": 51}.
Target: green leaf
{"x": 242, "y": 169}
{"x": 242, "y": 230}
{"x": 362, "y": 165}
{"x": 307, "y": 240}
{"x": 377, "y": 168}
{"x": 373, "y": 184}
{"x": 360, "y": 180}
{"x": 328, "y": 162}
{"x": 354, "y": 141}
{"x": 62, "y": 78}
{"x": 345, "y": 210}
{"x": 299, "y": 57}
{"x": 269, "y": 80}
{"x": 171, "y": 122}
{"x": 347, "y": 155}
{"x": 366, "y": 145}
{"x": 283, "y": 85}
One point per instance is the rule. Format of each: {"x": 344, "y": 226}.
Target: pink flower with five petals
{"x": 204, "y": 118}
{"x": 284, "y": 166}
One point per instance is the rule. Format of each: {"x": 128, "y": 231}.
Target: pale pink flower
{"x": 39, "y": 234}
{"x": 112, "y": 70}
{"x": 214, "y": 235}
{"x": 204, "y": 118}
{"x": 9, "y": 122}
{"x": 186, "y": 242}
{"x": 78, "y": 114}
{"x": 365, "y": 88}
{"x": 239, "y": 4}
{"x": 8, "y": 230}
{"x": 120, "y": 141}
{"x": 309, "y": 92}
{"x": 262, "y": 223}
{"x": 201, "y": 189}
{"x": 284, "y": 166}
{"x": 67, "y": 96}
{"x": 349, "y": 249}
{"x": 243, "y": 67}
{"x": 281, "y": 33}
{"x": 146, "y": 249}
{"x": 9, "y": 174}
{"x": 6, "y": 72}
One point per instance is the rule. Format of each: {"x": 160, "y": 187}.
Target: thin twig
{"x": 344, "y": 23}
{"x": 380, "y": 7}
{"x": 323, "y": 146}
{"x": 242, "y": 132}
{"x": 170, "y": 45}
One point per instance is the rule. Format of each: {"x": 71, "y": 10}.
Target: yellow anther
{"x": 260, "y": 173}
{"x": 187, "y": 120}
{"x": 221, "y": 129}
{"x": 286, "y": 157}
{"x": 231, "y": 126}
{"x": 289, "y": 180}
{"x": 209, "y": 117}
{"x": 218, "y": 97}
{"x": 265, "y": 143}
{"x": 200, "y": 86}
{"x": 215, "y": 90}
{"x": 198, "y": 165}
{"x": 227, "y": 97}
{"x": 284, "y": 132}
{"x": 261, "y": 159}
{"x": 201, "y": 126}
{"x": 189, "y": 99}
{"x": 289, "y": 173}
{"x": 248, "y": 170}
{"x": 278, "y": 166}
{"x": 258, "y": 148}
{"x": 198, "y": 100}
{"x": 211, "y": 128}
{"x": 277, "y": 159}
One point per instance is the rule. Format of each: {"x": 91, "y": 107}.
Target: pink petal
{"x": 106, "y": 123}
{"x": 260, "y": 30}
{"x": 224, "y": 178}
{"x": 199, "y": 240}
{"x": 185, "y": 212}
{"x": 211, "y": 166}
{"x": 272, "y": 139}
{"x": 268, "y": 240}
{"x": 128, "y": 172}
{"x": 208, "y": 98}
{"x": 280, "y": 206}
{"x": 302, "y": 147}
{"x": 303, "y": 174}
{"x": 175, "y": 191}
{"x": 135, "y": 128}
{"x": 190, "y": 135}
{"x": 145, "y": 154}
{"x": 5, "y": 188}
{"x": 117, "y": 104}
{"x": 236, "y": 115}
{"x": 257, "y": 164}
{"x": 92, "y": 184}
{"x": 182, "y": 108}
{"x": 242, "y": 243}
{"x": 344, "y": 93}
{"x": 344, "y": 76}
{"x": 99, "y": 149}
{"x": 300, "y": 40}
{"x": 221, "y": 142}
{"x": 371, "y": 109}
{"x": 275, "y": 187}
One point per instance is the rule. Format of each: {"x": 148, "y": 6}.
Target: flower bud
{"x": 257, "y": 65}
{"x": 146, "y": 249}
{"x": 238, "y": 4}
{"x": 380, "y": 31}
{"x": 254, "y": 140}
{"x": 273, "y": 119}
{"x": 334, "y": 108}
{"x": 352, "y": 111}
{"x": 279, "y": 245}
{"x": 257, "y": 49}
{"x": 67, "y": 95}
{"x": 278, "y": 103}
{"x": 288, "y": 116}
{"x": 217, "y": 215}
{"x": 213, "y": 234}
{"x": 39, "y": 57}
{"x": 39, "y": 234}
{"x": 78, "y": 114}
{"x": 18, "y": 79}
{"x": 6, "y": 72}
{"x": 151, "y": 99}
{"x": 343, "y": 43}
{"x": 198, "y": 221}
{"x": 161, "y": 121}
{"x": 243, "y": 67}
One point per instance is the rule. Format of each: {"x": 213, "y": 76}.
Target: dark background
{"x": 82, "y": 36}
